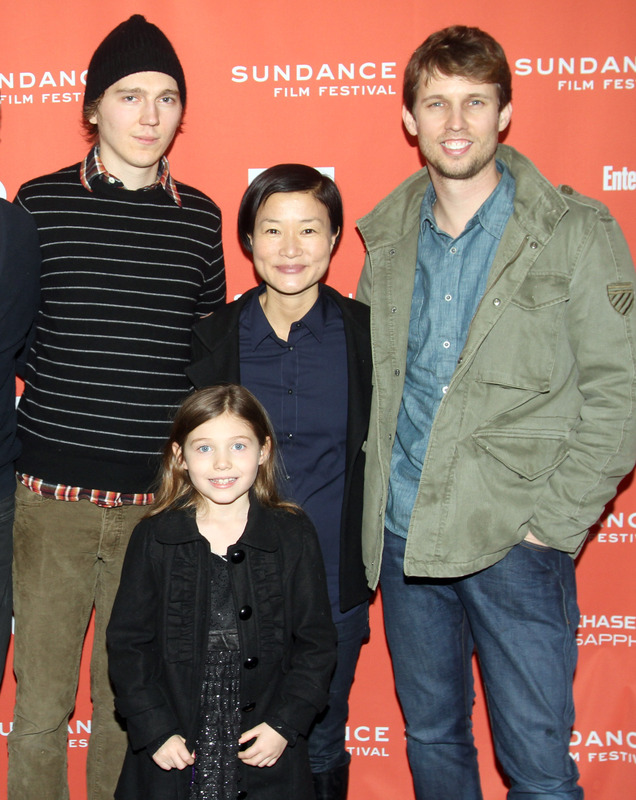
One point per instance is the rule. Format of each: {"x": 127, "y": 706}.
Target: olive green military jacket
{"x": 537, "y": 426}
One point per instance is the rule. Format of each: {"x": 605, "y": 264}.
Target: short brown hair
{"x": 462, "y": 52}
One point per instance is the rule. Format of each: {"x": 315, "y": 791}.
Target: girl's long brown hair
{"x": 175, "y": 488}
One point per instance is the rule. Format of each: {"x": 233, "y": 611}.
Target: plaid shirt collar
{"x": 92, "y": 167}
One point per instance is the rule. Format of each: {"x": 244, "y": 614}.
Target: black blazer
{"x": 215, "y": 359}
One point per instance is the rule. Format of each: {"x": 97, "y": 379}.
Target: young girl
{"x": 221, "y": 645}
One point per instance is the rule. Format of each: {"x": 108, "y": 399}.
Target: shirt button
{"x": 453, "y": 250}
{"x": 393, "y": 310}
{"x": 237, "y": 556}
{"x": 446, "y": 345}
{"x": 297, "y": 324}
{"x": 533, "y": 245}
{"x": 290, "y": 435}
{"x": 496, "y": 302}
{"x": 396, "y": 372}
{"x": 245, "y": 612}
{"x": 444, "y": 389}
{"x": 291, "y": 347}
{"x": 250, "y": 662}
{"x": 290, "y": 391}
{"x": 448, "y": 297}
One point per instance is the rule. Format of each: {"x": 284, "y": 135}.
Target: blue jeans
{"x": 6, "y": 558}
{"x": 521, "y": 617}
{"x": 327, "y": 737}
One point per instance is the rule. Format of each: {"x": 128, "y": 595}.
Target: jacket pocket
{"x": 526, "y": 452}
{"x": 521, "y": 348}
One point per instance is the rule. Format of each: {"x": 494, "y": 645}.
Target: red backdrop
{"x": 282, "y": 81}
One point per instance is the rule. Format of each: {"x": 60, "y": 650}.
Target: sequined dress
{"x": 215, "y": 771}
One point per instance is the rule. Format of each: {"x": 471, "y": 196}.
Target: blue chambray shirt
{"x": 450, "y": 280}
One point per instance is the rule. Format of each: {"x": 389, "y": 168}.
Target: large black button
{"x": 248, "y": 707}
{"x": 245, "y": 612}
{"x": 250, "y": 662}
{"x": 237, "y": 556}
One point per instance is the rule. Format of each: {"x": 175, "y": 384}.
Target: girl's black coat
{"x": 216, "y": 359}
{"x": 157, "y": 640}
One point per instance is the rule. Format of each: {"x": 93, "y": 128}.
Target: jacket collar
{"x": 538, "y": 205}
{"x": 227, "y": 320}
{"x": 179, "y": 527}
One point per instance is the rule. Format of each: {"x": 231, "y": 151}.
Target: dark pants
{"x": 327, "y": 737}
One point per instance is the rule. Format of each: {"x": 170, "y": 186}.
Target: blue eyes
{"x": 166, "y": 100}
{"x": 237, "y": 446}
{"x": 441, "y": 104}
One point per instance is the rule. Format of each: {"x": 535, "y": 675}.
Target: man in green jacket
{"x": 503, "y": 328}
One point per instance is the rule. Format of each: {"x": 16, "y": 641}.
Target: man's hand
{"x": 530, "y": 537}
{"x": 267, "y": 748}
{"x": 173, "y": 754}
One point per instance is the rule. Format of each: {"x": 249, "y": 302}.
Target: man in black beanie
{"x": 130, "y": 259}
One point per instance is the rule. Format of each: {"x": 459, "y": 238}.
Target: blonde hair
{"x": 175, "y": 488}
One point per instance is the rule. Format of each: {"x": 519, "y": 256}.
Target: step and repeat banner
{"x": 321, "y": 84}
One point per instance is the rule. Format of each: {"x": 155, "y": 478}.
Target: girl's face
{"x": 292, "y": 243}
{"x": 222, "y": 457}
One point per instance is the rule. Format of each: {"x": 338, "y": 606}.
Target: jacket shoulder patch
{"x": 621, "y": 296}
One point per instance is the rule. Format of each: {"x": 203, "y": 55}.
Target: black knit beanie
{"x": 133, "y": 46}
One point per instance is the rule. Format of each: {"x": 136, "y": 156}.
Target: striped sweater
{"x": 124, "y": 276}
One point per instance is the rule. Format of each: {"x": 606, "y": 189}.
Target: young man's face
{"x": 457, "y": 124}
{"x": 137, "y": 119}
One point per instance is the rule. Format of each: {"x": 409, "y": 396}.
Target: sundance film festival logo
{"x": 604, "y": 746}
{"x": 27, "y": 88}
{"x": 367, "y": 741}
{"x": 369, "y": 78}
{"x": 618, "y": 528}
{"x": 584, "y": 73}
{"x": 79, "y": 732}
